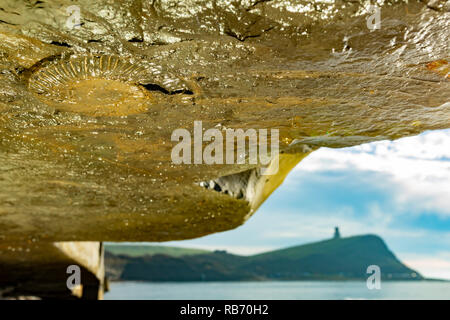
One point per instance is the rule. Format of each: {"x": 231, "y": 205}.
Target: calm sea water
{"x": 296, "y": 290}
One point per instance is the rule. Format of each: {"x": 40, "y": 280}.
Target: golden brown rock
{"x": 85, "y": 153}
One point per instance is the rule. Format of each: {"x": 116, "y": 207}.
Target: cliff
{"x": 335, "y": 259}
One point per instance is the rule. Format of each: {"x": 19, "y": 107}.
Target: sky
{"x": 399, "y": 190}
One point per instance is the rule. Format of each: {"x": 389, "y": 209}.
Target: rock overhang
{"x": 317, "y": 74}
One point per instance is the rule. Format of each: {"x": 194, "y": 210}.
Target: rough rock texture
{"x": 80, "y": 161}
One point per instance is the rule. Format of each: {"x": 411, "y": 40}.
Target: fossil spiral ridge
{"x": 101, "y": 85}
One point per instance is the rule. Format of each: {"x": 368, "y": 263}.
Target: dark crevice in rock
{"x": 136, "y": 40}
{"x": 155, "y": 87}
{"x": 36, "y": 5}
{"x": 158, "y": 88}
{"x": 242, "y": 37}
{"x": 253, "y": 5}
{"x": 61, "y": 44}
{"x": 239, "y": 185}
{"x": 5, "y": 22}
{"x": 188, "y": 92}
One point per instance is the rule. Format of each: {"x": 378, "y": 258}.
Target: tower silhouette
{"x": 337, "y": 234}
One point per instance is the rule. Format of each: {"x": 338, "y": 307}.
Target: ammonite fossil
{"x": 101, "y": 85}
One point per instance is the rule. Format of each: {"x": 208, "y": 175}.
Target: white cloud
{"x": 317, "y": 226}
{"x": 437, "y": 266}
{"x": 418, "y": 168}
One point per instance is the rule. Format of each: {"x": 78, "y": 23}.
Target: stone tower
{"x": 337, "y": 234}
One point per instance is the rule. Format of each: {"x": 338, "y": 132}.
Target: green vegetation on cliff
{"x": 335, "y": 259}
{"x": 139, "y": 250}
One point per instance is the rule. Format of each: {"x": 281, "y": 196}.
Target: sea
{"x": 278, "y": 290}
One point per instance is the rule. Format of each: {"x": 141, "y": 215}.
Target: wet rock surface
{"x": 85, "y": 153}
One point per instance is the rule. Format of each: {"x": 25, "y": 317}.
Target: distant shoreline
{"x": 336, "y": 259}
{"x": 272, "y": 280}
